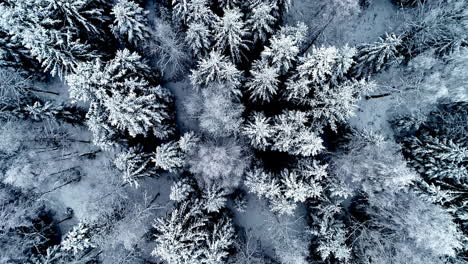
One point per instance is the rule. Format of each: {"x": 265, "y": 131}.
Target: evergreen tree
{"x": 374, "y": 57}
{"x": 198, "y": 39}
{"x": 180, "y": 191}
{"x": 78, "y": 239}
{"x": 130, "y": 22}
{"x": 230, "y": 34}
{"x": 259, "y": 131}
{"x": 264, "y": 82}
{"x": 134, "y": 165}
{"x": 168, "y": 156}
{"x": 261, "y": 21}
{"x": 217, "y": 69}
{"x": 294, "y": 135}
{"x": 214, "y": 198}
{"x": 200, "y": 12}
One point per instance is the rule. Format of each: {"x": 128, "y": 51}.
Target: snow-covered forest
{"x": 234, "y": 131}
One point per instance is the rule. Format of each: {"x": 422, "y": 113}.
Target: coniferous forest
{"x": 234, "y": 131}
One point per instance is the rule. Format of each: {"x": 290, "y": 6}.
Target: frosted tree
{"x": 222, "y": 163}
{"x": 180, "y": 191}
{"x": 51, "y": 30}
{"x": 181, "y": 8}
{"x": 261, "y": 21}
{"x": 281, "y": 53}
{"x": 219, "y": 113}
{"x": 186, "y": 236}
{"x": 263, "y": 84}
{"x": 294, "y": 135}
{"x": 217, "y": 69}
{"x": 376, "y": 56}
{"x": 406, "y": 219}
{"x": 439, "y": 157}
{"x": 290, "y": 187}
{"x": 198, "y": 38}
{"x": 259, "y": 131}
{"x": 230, "y": 34}
{"x": 200, "y": 12}
{"x": 121, "y": 97}
{"x": 136, "y": 113}
{"x": 104, "y": 135}
{"x": 343, "y": 64}
{"x": 168, "y": 48}
{"x": 229, "y": 3}
{"x": 78, "y": 239}
{"x": 134, "y": 165}
{"x": 130, "y": 22}
{"x": 318, "y": 66}
{"x": 334, "y": 105}
{"x": 214, "y": 198}
{"x": 168, "y": 156}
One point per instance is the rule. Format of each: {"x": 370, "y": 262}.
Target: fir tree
{"x": 130, "y": 22}
{"x": 168, "y": 156}
{"x": 134, "y": 165}
{"x": 264, "y": 82}
{"x": 259, "y": 131}
{"x": 180, "y": 191}
{"x": 230, "y": 34}
{"x": 217, "y": 69}
{"x": 198, "y": 39}
{"x": 374, "y": 57}
{"x": 261, "y": 21}
{"x": 78, "y": 239}
{"x": 214, "y": 198}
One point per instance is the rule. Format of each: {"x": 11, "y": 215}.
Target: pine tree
{"x": 293, "y": 135}
{"x": 104, "y": 135}
{"x": 264, "y": 82}
{"x": 78, "y": 239}
{"x": 335, "y": 105}
{"x": 318, "y": 66}
{"x": 198, "y": 39}
{"x": 134, "y": 165}
{"x": 168, "y": 156}
{"x": 261, "y": 21}
{"x": 200, "y": 12}
{"x": 374, "y": 57}
{"x": 130, "y": 22}
{"x": 180, "y": 191}
{"x": 216, "y": 69}
{"x": 122, "y": 100}
{"x": 230, "y": 34}
{"x": 219, "y": 241}
{"x": 214, "y": 198}
{"x": 259, "y": 131}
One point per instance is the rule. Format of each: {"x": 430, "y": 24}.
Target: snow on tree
{"x": 440, "y": 157}
{"x": 198, "y": 38}
{"x": 289, "y": 187}
{"x": 263, "y": 84}
{"x": 281, "y": 53}
{"x": 104, "y": 135}
{"x": 130, "y": 22}
{"x": 15, "y": 56}
{"x": 78, "y": 239}
{"x": 200, "y": 12}
{"x": 136, "y": 113}
{"x": 181, "y": 8}
{"x": 318, "y": 66}
{"x": 134, "y": 165}
{"x": 180, "y": 191}
{"x": 217, "y": 69}
{"x": 229, "y": 3}
{"x": 50, "y": 30}
{"x": 333, "y": 105}
{"x": 261, "y": 21}
{"x": 222, "y": 162}
{"x": 406, "y": 219}
{"x": 343, "y": 64}
{"x": 371, "y": 58}
{"x": 168, "y": 48}
{"x": 294, "y": 135}
{"x": 188, "y": 141}
{"x": 218, "y": 113}
{"x": 230, "y": 34}
{"x": 214, "y": 198}
{"x": 373, "y": 165}
{"x": 168, "y": 156}
{"x": 121, "y": 97}
{"x": 186, "y": 236}
{"x": 259, "y": 131}
{"x": 332, "y": 242}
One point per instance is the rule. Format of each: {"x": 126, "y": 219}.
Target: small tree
{"x": 261, "y": 21}
{"x": 130, "y": 22}
{"x": 374, "y": 57}
{"x": 259, "y": 131}
{"x": 264, "y": 82}
{"x": 230, "y": 34}
{"x": 198, "y": 38}
{"x": 168, "y": 156}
